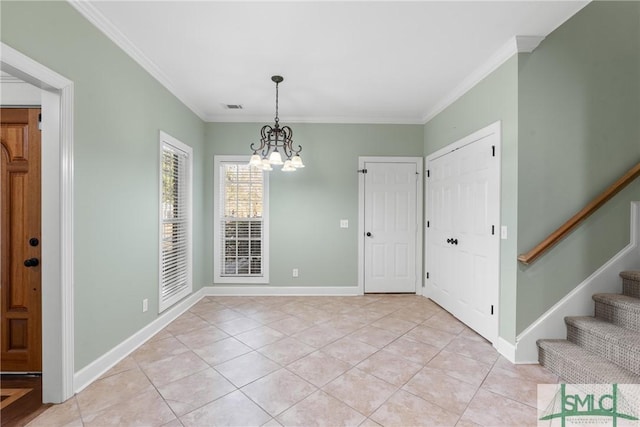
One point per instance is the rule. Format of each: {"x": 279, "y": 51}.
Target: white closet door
{"x": 462, "y": 238}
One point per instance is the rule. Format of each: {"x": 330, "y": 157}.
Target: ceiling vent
{"x": 233, "y": 106}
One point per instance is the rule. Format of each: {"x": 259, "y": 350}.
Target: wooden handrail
{"x": 575, "y": 220}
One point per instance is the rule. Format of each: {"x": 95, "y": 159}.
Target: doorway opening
{"x": 56, "y": 220}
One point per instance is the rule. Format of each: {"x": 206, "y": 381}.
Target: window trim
{"x": 218, "y": 161}
{"x": 168, "y": 140}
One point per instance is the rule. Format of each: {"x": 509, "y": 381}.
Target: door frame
{"x": 418, "y": 161}
{"x": 493, "y": 128}
{"x": 57, "y": 221}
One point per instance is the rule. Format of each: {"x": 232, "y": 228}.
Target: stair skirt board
{"x": 579, "y": 302}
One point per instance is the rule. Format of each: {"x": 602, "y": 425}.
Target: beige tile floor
{"x": 395, "y": 360}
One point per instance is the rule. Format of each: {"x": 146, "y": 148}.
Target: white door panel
{"x": 390, "y": 216}
{"x": 462, "y": 240}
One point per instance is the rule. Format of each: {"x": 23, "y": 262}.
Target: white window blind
{"x": 175, "y": 221}
{"x": 241, "y": 254}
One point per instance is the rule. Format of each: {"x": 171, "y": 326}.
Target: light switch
{"x": 344, "y": 223}
{"x": 503, "y": 232}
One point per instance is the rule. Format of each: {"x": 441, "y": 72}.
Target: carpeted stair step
{"x": 631, "y": 283}
{"x": 614, "y": 343}
{"x": 576, "y": 365}
{"x": 621, "y": 310}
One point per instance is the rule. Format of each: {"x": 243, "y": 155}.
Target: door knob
{"x": 454, "y": 241}
{"x": 448, "y": 240}
{"x": 368, "y": 234}
{"x": 32, "y": 262}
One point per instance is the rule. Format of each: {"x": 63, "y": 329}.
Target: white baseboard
{"x": 281, "y": 290}
{"x": 506, "y": 349}
{"x": 578, "y": 302}
{"x": 98, "y": 367}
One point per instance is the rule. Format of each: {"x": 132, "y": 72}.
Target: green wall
{"x": 119, "y": 111}
{"x": 494, "y": 98}
{"x": 306, "y": 206}
{"x": 579, "y": 111}
{"x": 569, "y": 113}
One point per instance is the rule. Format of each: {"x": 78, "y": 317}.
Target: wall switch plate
{"x": 145, "y": 305}
{"x": 503, "y": 232}
{"x": 295, "y": 272}
{"x": 344, "y": 223}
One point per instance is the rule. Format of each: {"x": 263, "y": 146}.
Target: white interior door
{"x": 390, "y": 227}
{"x": 462, "y": 234}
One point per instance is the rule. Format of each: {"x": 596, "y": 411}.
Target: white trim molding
{"x": 93, "y": 15}
{"x": 248, "y": 290}
{"x": 98, "y": 367}
{"x": 578, "y": 302}
{"x": 506, "y": 349}
{"x": 57, "y": 222}
{"x": 419, "y": 162}
{"x": 517, "y": 44}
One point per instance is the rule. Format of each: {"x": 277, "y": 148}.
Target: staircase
{"x": 604, "y": 349}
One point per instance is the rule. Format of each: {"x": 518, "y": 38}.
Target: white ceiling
{"x": 353, "y": 62}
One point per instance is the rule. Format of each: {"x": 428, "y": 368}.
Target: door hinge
{"x": 427, "y": 274}
{"x": 492, "y": 309}
{"x": 493, "y": 151}
{"x": 362, "y": 171}
{"x": 40, "y": 121}
{"x": 427, "y": 224}
{"x": 428, "y": 173}
{"x": 493, "y": 230}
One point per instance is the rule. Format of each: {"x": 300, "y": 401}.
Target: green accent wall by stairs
{"x": 570, "y": 116}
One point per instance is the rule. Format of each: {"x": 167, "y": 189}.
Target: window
{"x": 241, "y": 221}
{"x": 175, "y": 221}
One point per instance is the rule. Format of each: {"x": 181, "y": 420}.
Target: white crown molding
{"x": 8, "y": 78}
{"x": 527, "y": 44}
{"x": 517, "y": 44}
{"x": 220, "y": 118}
{"x": 93, "y": 15}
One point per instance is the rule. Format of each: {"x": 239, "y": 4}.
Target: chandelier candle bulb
{"x": 296, "y": 162}
{"x": 256, "y": 161}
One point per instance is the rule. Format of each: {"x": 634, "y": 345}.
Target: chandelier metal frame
{"x": 273, "y": 138}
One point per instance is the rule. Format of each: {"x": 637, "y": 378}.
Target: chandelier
{"x": 276, "y": 142}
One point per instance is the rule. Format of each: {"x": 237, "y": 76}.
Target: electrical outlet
{"x": 145, "y": 305}
{"x": 295, "y": 272}
{"x": 344, "y": 223}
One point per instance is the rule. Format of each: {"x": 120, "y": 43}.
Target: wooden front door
{"x": 20, "y": 235}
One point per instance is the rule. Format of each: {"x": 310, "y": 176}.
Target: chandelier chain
{"x": 277, "y": 119}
